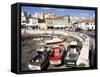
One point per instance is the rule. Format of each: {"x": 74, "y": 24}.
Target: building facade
{"x": 87, "y": 24}
{"x": 49, "y": 23}
{"x": 23, "y": 19}
{"x": 44, "y": 21}
{"x": 61, "y": 22}
{"x": 42, "y": 26}
{"x": 32, "y": 23}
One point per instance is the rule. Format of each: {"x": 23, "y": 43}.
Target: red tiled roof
{"x": 59, "y": 17}
{"x": 86, "y": 20}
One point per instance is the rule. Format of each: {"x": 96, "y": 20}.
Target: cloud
{"x": 83, "y": 17}
{"x": 93, "y": 15}
{"x": 84, "y": 14}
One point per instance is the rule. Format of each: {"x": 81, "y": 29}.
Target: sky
{"x": 60, "y": 11}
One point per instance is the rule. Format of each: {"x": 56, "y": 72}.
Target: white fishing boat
{"x": 40, "y": 61}
{"x": 55, "y": 39}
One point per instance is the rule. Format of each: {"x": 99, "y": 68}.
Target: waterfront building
{"x": 61, "y": 22}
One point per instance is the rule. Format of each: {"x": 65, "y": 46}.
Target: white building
{"x": 49, "y": 15}
{"x": 39, "y": 15}
{"x": 32, "y": 23}
{"x": 42, "y": 26}
{"x": 23, "y": 18}
{"x": 87, "y": 24}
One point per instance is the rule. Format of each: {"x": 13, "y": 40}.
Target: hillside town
{"x": 50, "y": 21}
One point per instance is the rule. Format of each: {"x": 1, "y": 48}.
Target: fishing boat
{"x": 40, "y": 61}
{"x": 72, "y": 55}
{"x": 56, "y": 56}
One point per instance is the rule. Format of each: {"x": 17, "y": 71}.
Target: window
{"x": 23, "y": 21}
{"x": 87, "y": 23}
